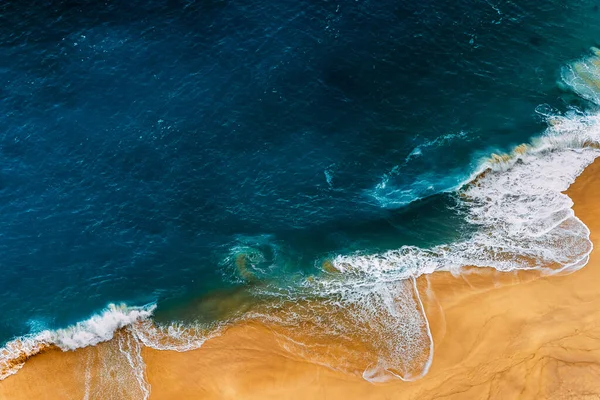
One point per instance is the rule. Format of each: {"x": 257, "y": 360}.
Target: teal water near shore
{"x": 161, "y": 154}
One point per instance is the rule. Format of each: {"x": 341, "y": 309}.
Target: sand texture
{"x": 496, "y": 336}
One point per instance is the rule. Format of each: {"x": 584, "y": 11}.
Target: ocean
{"x": 179, "y": 166}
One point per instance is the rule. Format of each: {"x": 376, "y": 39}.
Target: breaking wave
{"x": 98, "y": 328}
{"x": 523, "y": 221}
{"x": 363, "y": 314}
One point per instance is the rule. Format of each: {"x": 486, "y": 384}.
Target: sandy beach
{"x": 496, "y": 336}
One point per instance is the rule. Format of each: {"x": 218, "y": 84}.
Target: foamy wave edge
{"x": 523, "y": 220}
{"x": 516, "y": 199}
{"x": 543, "y": 169}
{"x": 98, "y": 328}
{"x": 517, "y": 202}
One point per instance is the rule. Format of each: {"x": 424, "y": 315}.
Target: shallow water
{"x": 147, "y": 145}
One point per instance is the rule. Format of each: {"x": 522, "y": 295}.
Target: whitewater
{"x": 523, "y": 221}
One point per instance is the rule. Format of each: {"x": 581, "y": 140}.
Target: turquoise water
{"x": 150, "y": 148}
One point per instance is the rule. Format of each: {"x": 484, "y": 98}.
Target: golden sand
{"x": 497, "y": 336}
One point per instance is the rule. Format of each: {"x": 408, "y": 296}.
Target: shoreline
{"x": 495, "y": 334}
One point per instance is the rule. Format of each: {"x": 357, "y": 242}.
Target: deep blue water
{"x": 142, "y": 141}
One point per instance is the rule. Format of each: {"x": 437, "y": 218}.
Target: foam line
{"x": 523, "y": 221}
{"x": 98, "y": 328}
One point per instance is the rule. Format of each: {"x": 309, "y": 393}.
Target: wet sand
{"x": 496, "y": 336}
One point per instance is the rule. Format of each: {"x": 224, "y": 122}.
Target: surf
{"x": 367, "y": 306}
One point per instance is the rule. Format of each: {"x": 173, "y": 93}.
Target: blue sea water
{"x": 142, "y": 143}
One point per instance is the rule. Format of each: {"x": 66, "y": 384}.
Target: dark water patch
{"x": 140, "y": 140}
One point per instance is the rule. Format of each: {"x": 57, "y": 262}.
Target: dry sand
{"x": 496, "y": 335}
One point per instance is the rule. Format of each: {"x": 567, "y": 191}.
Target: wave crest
{"x": 367, "y": 317}
{"x": 98, "y": 328}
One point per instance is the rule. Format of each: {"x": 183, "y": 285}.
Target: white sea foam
{"x": 115, "y": 369}
{"x": 378, "y": 326}
{"x": 131, "y": 349}
{"x": 98, "y": 328}
{"x": 174, "y": 336}
{"x": 523, "y": 220}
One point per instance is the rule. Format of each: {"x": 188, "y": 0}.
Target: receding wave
{"x": 363, "y": 314}
{"x": 98, "y": 328}
{"x": 524, "y": 221}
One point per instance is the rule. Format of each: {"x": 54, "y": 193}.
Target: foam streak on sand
{"x": 369, "y": 320}
{"x": 373, "y": 310}
{"x": 498, "y": 335}
{"x": 132, "y": 350}
{"x": 368, "y": 374}
{"x": 98, "y": 328}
